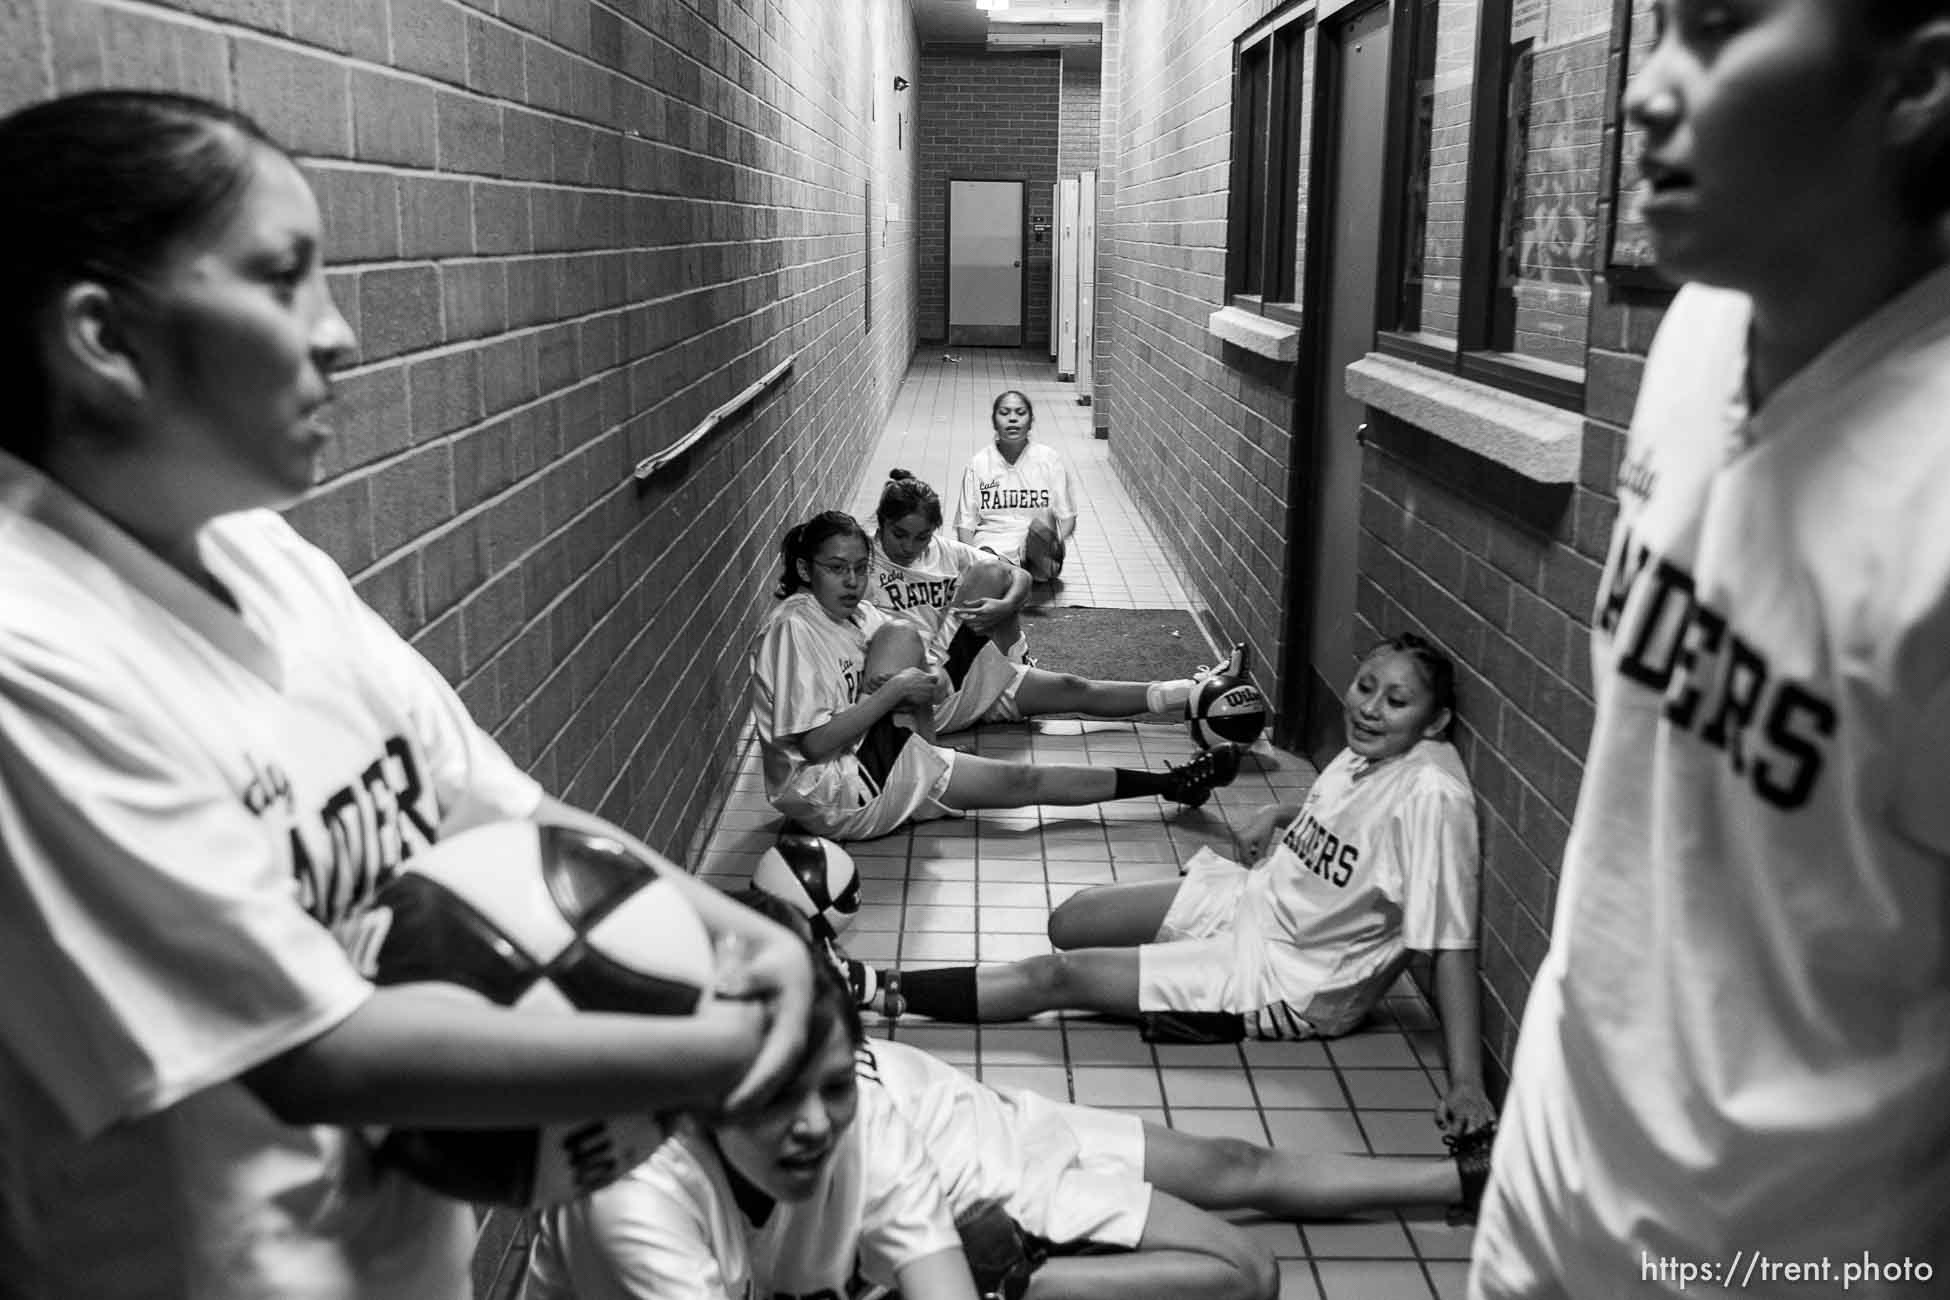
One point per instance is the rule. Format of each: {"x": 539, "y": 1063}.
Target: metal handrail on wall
{"x": 649, "y": 465}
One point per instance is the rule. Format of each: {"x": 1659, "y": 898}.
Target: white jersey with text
{"x": 922, "y": 593}
{"x": 1381, "y": 860}
{"x": 999, "y": 499}
{"x": 681, "y": 1227}
{"x": 197, "y": 803}
{"x": 1739, "y": 1042}
{"x": 806, "y": 669}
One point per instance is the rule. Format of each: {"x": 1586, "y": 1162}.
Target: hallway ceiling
{"x": 959, "y": 22}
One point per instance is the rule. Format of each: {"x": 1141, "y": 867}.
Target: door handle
{"x": 1361, "y": 433}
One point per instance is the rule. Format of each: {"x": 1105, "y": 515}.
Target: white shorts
{"x": 911, "y": 792}
{"x": 987, "y": 692}
{"x": 1083, "y": 1173}
{"x": 1195, "y": 962}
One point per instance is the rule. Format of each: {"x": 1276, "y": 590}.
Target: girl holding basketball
{"x": 830, "y": 675}
{"x": 1378, "y": 863}
{"x": 964, "y": 602}
{"x": 1017, "y": 498}
{"x": 1739, "y": 1039}
{"x": 824, "y": 1185}
{"x": 212, "y": 754}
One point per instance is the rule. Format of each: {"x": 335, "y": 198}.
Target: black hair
{"x": 833, "y": 1002}
{"x": 1004, "y": 396}
{"x": 1438, "y": 669}
{"x": 802, "y": 542}
{"x": 905, "y": 495}
{"x": 102, "y": 186}
{"x": 1925, "y": 175}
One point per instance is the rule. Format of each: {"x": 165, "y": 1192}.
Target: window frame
{"x": 1473, "y": 355}
{"x": 1275, "y": 217}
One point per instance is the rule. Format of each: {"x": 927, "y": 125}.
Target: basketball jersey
{"x": 805, "y": 670}
{"x": 1382, "y": 859}
{"x": 680, "y": 1227}
{"x": 922, "y": 592}
{"x": 193, "y": 800}
{"x": 1740, "y": 1038}
{"x": 998, "y": 499}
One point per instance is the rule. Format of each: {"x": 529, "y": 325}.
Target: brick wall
{"x": 1079, "y": 116}
{"x": 1105, "y": 354}
{"x": 1200, "y": 437}
{"x": 564, "y": 235}
{"x": 986, "y": 117}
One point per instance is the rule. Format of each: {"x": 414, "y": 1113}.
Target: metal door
{"x": 985, "y": 270}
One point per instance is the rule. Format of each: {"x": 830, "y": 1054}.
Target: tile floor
{"x": 980, "y": 888}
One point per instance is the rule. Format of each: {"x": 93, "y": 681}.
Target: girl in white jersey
{"x": 212, "y": 754}
{"x": 1734, "y": 1055}
{"x": 964, "y": 602}
{"x": 830, "y": 674}
{"x": 1379, "y": 862}
{"x": 1017, "y": 498}
{"x": 820, "y": 1195}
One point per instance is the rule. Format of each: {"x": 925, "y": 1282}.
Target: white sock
{"x": 1163, "y": 697}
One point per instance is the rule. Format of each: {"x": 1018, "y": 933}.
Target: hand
{"x": 1463, "y": 1108}
{"x": 912, "y": 686}
{"x": 984, "y": 612}
{"x": 776, "y": 972}
{"x": 1255, "y": 837}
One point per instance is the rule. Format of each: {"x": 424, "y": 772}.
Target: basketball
{"x": 1225, "y": 709}
{"x": 550, "y": 921}
{"x": 814, "y": 876}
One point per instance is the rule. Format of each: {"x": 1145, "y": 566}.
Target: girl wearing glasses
{"x": 832, "y": 678}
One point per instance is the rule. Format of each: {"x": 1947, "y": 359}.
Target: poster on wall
{"x": 1631, "y": 247}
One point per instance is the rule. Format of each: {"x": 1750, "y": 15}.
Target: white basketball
{"x": 816, "y": 877}
{"x": 1225, "y": 709}
{"x": 548, "y": 921}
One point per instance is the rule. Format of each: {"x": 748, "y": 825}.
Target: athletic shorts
{"x": 894, "y": 777}
{"x": 1082, "y": 1176}
{"x": 1194, "y": 963}
{"x": 984, "y": 683}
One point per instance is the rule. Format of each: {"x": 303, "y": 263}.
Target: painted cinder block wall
{"x": 565, "y": 232}
{"x": 986, "y": 116}
{"x": 1501, "y": 570}
{"x": 1199, "y": 432}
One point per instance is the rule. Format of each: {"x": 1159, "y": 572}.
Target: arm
{"x": 967, "y": 514}
{"x": 1465, "y": 1106}
{"x": 1255, "y": 838}
{"x": 773, "y": 967}
{"x": 419, "y": 1056}
{"x": 908, "y": 686}
{"x": 1066, "y": 500}
{"x": 940, "y": 1276}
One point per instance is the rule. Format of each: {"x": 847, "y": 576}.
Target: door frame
{"x": 1022, "y": 182}
{"x": 1310, "y": 706}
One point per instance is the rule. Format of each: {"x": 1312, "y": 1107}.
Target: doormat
{"x": 1121, "y": 645}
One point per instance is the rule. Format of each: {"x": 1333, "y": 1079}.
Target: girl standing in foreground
{"x": 964, "y": 602}
{"x": 1738, "y": 1042}
{"x": 829, "y": 674}
{"x": 212, "y": 754}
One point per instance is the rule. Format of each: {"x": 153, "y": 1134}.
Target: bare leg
{"x": 1228, "y": 1174}
{"x": 991, "y": 783}
{"x": 894, "y": 647}
{"x": 1048, "y": 692}
{"x": 1112, "y": 916}
{"x": 1184, "y": 1252}
{"x": 1097, "y": 979}
{"x": 991, "y": 579}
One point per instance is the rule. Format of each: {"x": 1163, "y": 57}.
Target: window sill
{"x": 1259, "y": 334}
{"x": 1541, "y": 442}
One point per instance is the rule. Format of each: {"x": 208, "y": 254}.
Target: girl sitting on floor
{"x": 829, "y": 675}
{"x": 965, "y": 601}
{"x": 1379, "y": 862}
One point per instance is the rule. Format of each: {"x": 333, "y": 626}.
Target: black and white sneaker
{"x": 1236, "y": 665}
{"x": 1192, "y": 782}
{"x": 1471, "y": 1152}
